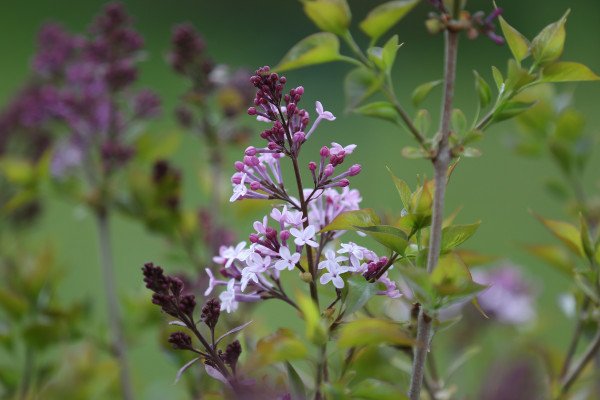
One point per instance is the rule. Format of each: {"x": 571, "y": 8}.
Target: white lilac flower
{"x": 355, "y": 252}
{"x": 294, "y": 218}
{"x": 288, "y": 260}
{"x": 320, "y": 116}
{"x": 334, "y": 269}
{"x": 256, "y": 265}
{"x": 279, "y": 216}
{"x": 304, "y": 236}
{"x": 239, "y": 190}
{"x": 337, "y": 148}
{"x": 331, "y": 259}
{"x": 228, "y": 297}
{"x": 261, "y": 227}
{"x": 231, "y": 254}
{"x": 212, "y": 282}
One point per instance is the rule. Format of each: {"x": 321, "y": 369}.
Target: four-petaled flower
{"x": 228, "y": 297}
{"x": 324, "y": 114}
{"x": 334, "y": 269}
{"x": 304, "y": 236}
{"x": 336, "y": 148}
{"x": 239, "y": 190}
{"x": 256, "y": 265}
{"x": 288, "y": 260}
{"x": 355, "y": 252}
{"x": 238, "y": 253}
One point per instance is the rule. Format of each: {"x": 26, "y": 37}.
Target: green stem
{"x": 110, "y": 289}
{"x": 27, "y": 373}
{"x": 575, "y": 339}
{"x": 588, "y": 356}
{"x": 440, "y": 163}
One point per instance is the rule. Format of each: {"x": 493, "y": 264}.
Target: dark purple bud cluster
{"x": 167, "y": 183}
{"x": 55, "y": 47}
{"x": 168, "y": 292}
{"x": 180, "y": 340}
{"x": 289, "y": 121}
{"x": 115, "y": 154}
{"x": 374, "y": 267}
{"x": 188, "y": 58}
{"x": 232, "y": 354}
{"x": 210, "y": 313}
{"x": 271, "y": 239}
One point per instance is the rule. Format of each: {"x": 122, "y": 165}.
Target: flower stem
{"x": 440, "y": 164}
{"x": 575, "y": 339}
{"x": 110, "y": 291}
{"x": 588, "y": 356}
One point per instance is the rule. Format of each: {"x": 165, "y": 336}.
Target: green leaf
{"x": 566, "y": 71}
{"x": 498, "y": 79}
{"x": 403, "y": 191}
{"x": 359, "y": 292}
{"x": 483, "y": 90}
{"x": 452, "y": 280}
{"x": 374, "y": 389}
{"x": 315, "y": 49}
{"x": 373, "y": 331}
{"x": 13, "y": 303}
{"x": 588, "y": 288}
{"x": 360, "y": 84}
{"x": 518, "y": 44}
{"x": 384, "y": 16}
{"x": 283, "y": 345}
{"x": 548, "y": 45}
{"x": 391, "y": 237}
{"x": 296, "y": 385}
{"x": 510, "y": 109}
{"x": 150, "y": 147}
{"x": 554, "y": 255}
{"x": 419, "y": 94}
{"x": 350, "y": 220}
{"x": 586, "y": 240}
{"x": 40, "y": 335}
{"x": 471, "y": 152}
{"x": 18, "y": 171}
{"x": 419, "y": 281}
{"x": 570, "y": 125}
{"x": 315, "y": 331}
{"x": 562, "y": 153}
{"x": 389, "y": 53}
{"x": 458, "y": 122}
{"x": 517, "y": 77}
{"x": 423, "y": 122}
{"x": 379, "y": 109}
{"x": 329, "y": 15}
{"x": 472, "y": 136}
{"x": 454, "y": 235}
{"x": 414, "y": 222}
{"x": 565, "y": 232}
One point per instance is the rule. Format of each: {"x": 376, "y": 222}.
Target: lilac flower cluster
{"x": 280, "y": 239}
{"x": 85, "y": 82}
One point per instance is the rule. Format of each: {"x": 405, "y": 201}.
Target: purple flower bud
{"x": 355, "y": 169}
{"x": 284, "y": 235}
{"x": 300, "y": 90}
{"x": 272, "y": 146}
{"x": 324, "y": 152}
{"x": 255, "y": 185}
{"x": 344, "y": 182}
{"x": 252, "y": 111}
{"x": 180, "y": 340}
{"x": 210, "y": 312}
{"x": 299, "y": 137}
{"x": 251, "y": 161}
{"x": 328, "y": 170}
{"x": 250, "y": 151}
{"x": 270, "y": 233}
{"x": 253, "y": 238}
{"x": 239, "y": 166}
{"x": 146, "y": 104}
{"x": 312, "y": 166}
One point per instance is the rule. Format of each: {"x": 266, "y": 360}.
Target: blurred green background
{"x": 498, "y": 188}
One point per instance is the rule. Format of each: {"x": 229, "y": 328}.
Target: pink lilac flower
{"x": 334, "y": 269}
{"x": 304, "y": 236}
{"x": 212, "y": 282}
{"x": 321, "y": 115}
{"x": 256, "y": 265}
{"x": 288, "y": 260}
{"x": 227, "y": 297}
{"x": 228, "y": 255}
{"x": 337, "y": 148}
{"x": 294, "y": 218}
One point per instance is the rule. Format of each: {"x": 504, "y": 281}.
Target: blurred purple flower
{"x": 511, "y": 297}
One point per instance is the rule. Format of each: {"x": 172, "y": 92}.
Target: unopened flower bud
{"x": 324, "y": 152}
{"x": 328, "y": 170}
{"x": 252, "y": 111}
{"x": 312, "y": 166}
{"x": 255, "y": 185}
{"x": 355, "y": 169}
{"x": 239, "y": 166}
{"x": 344, "y": 182}
{"x": 299, "y": 137}
{"x": 306, "y": 277}
{"x": 284, "y": 235}
{"x": 253, "y": 238}
{"x": 250, "y": 151}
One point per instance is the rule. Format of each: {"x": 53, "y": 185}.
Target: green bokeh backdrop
{"x": 498, "y": 188}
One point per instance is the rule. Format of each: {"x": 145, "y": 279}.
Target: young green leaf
{"x": 422, "y": 91}
{"x": 315, "y": 331}
{"x": 565, "y": 71}
{"x": 458, "y": 122}
{"x": 483, "y": 90}
{"x": 510, "y": 109}
{"x": 350, "y": 220}
{"x": 548, "y": 45}
{"x": 423, "y": 122}
{"x": 379, "y": 109}
{"x": 391, "y": 237}
{"x": 283, "y": 345}
{"x": 455, "y": 235}
{"x": 296, "y": 385}
{"x": 565, "y": 232}
{"x": 403, "y": 190}
{"x": 315, "y": 49}
{"x": 373, "y": 331}
{"x": 383, "y": 17}
{"x": 360, "y": 84}
{"x": 389, "y": 53}
{"x": 518, "y": 44}
{"x": 498, "y": 79}
{"x": 329, "y": 15}
{"x": 374, "y": 389}
{"x": 586, "y": 240}
{"x": 359, "y": 292}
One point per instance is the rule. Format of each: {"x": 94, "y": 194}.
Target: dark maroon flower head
{"x": 211, "y": 312}
{"x": 188, "y": 58}
{"x": 55, "y": 47}
{"x": 180, "y": 340}
{"x": 146, "y": 104}
{"x": 374, "y": 267}
{"x": 155, "y": 279}
{"x": 232, "y": 353}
